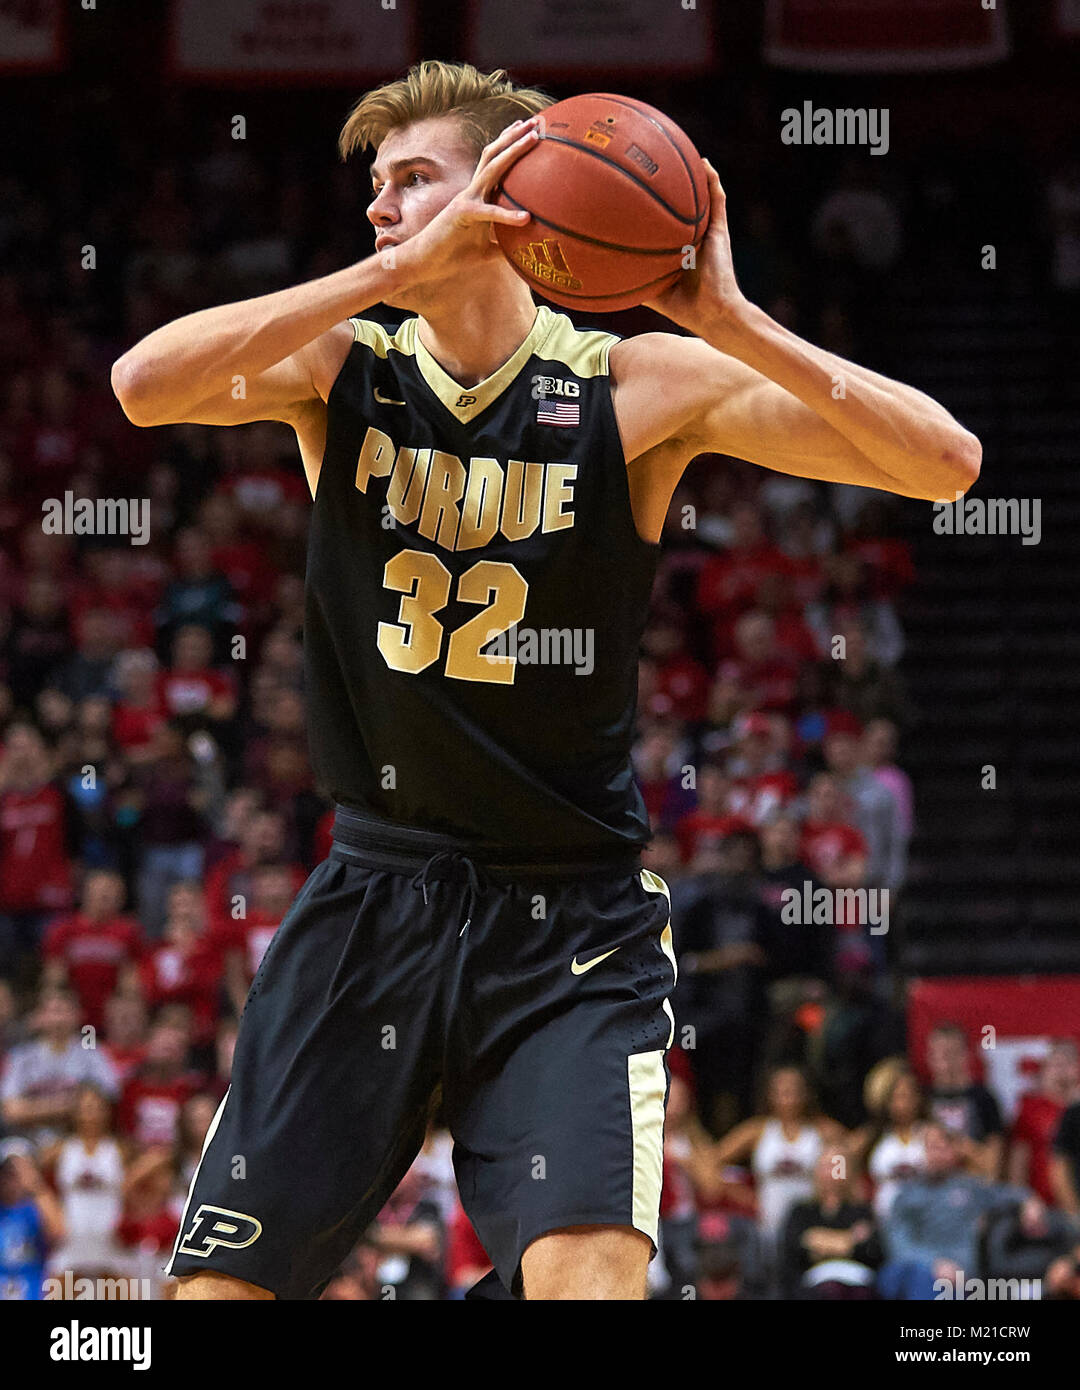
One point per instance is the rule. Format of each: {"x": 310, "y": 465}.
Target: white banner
{"x": 658, "y": 37}
{"x": 884, "y": 35}
{"x": 31, "y": 35}
{"x": 323, "y": 42}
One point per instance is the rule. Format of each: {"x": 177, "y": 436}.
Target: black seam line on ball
{"x": 620, "y": 101}
{"x": 605, "y": 159}
{"x": 594, "y": 241}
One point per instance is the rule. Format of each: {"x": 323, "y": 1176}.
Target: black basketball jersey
{"x": 476, "y": 593}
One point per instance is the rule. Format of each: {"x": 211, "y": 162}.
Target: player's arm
{"x": 257, "y": 359}
{"x": 747, "y": 386}
{"x": 271, "y": 357}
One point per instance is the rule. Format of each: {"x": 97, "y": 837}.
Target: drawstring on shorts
{"x": 452, "y": 860}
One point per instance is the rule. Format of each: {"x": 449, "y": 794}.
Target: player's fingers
{"x": 488, "y": 175}
{"x": 716, "y": 188}
{"x": 492, "y": 212}
{"x": 504, "y": 139}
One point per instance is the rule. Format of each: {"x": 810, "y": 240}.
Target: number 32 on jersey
{"x": 414, "y": 642}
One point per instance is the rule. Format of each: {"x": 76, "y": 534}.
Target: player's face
{"x": 417, "y": 170}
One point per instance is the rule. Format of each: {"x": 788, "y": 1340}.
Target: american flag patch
{"x": 566, "y": 414}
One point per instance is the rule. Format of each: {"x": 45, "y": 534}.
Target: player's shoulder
{"x": 655, "y": 355}
{"x": 383, "y": 338}
{"x": 583, "y": 351}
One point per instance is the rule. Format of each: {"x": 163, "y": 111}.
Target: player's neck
{"x": 472, "y": 336}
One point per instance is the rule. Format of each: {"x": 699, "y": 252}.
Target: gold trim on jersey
{"x": 553, "y": 337}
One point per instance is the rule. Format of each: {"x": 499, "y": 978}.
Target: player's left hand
{"x": 709, "y": 292}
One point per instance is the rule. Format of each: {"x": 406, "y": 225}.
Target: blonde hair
{"x": 485, "y": 104}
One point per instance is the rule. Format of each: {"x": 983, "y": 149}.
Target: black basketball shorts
{"x": 536, "y": 997}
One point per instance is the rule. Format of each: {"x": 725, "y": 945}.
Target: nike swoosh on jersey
{"x": 580, "y": 969}
{"x": 385, "y": 400}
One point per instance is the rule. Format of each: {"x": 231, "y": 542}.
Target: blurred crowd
{"x": 158, "y": 812}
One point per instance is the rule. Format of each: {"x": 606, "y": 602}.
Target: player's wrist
{"x": 727, "y": 321}
{"x": 386, "y": 274}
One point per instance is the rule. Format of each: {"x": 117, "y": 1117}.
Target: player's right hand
{"x": 462, "y": 233}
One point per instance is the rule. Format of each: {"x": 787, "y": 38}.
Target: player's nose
{"x": 382, "y": 210}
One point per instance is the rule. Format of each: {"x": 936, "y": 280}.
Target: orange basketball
{"x": 617, "y": 193}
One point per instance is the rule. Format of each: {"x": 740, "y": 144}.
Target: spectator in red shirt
{"x": 714, "y": 817}
{"x": 186, "y": 968}
{"x": 138, "y": 714}
{"x": 807, "y": 538}
{"x": 261, "y": 488}
{"x": 242, "y": 560}
{"x": 728, "y": 582}
{"x": 759, "y": 676}
{"x": 35, "y": 864}
{"x": 761, "y": 785}
{"x": 887, "y": 559}
{"x": 662, "y": 772}
{"x": 97, "y": 949}
{"x": 125, "y": 1033}
{"x": 794, "y": 640}
{"x": 229, "y": 884}
{"x": 151, "y": 1100}
{"x": 835, "y": 851}
{"x": 191, "y": 685}
{"x": 273, "y": 888}
{"x": 1038, "y": 1118}
{"x": 109, "y": 583}
{"x": 681, "y": 678}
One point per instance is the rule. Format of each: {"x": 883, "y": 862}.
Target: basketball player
{"x": 482, "y": 926}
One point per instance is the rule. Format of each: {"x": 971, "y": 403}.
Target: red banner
{"x": 31, "y": 35}
{"x": 552, "y": 38}
{"x": 325, "y": 42}
{"x": 1010, "y": 1021}
{"x": 884, "y": 35}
